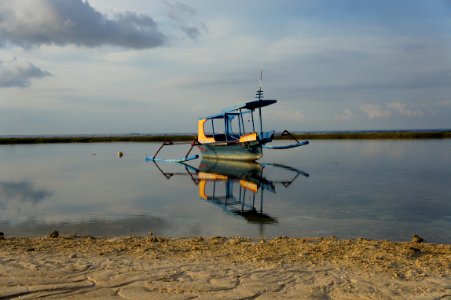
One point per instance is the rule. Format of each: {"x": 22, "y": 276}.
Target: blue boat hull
{"x": 248, "y": 151}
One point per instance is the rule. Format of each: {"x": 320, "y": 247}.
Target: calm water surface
{"x": 375, "y": 189}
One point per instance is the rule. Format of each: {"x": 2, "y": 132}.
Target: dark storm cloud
{"x": 17, "y": 74}
{"x": 29, "y": 23}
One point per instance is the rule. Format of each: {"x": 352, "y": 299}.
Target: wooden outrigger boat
{"x": 225, "y": 135}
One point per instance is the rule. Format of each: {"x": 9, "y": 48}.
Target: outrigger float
{"x": 225, "y": 136}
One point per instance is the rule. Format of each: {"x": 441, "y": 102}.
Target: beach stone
{"x": 54, "y": 234}
{"x": 2, "y": 236}
{"x": 417, "y": 239}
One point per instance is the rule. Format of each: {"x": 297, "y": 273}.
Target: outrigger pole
{"x": 182, "y": 159}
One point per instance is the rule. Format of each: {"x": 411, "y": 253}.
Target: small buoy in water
{"x": 120, "y": 154}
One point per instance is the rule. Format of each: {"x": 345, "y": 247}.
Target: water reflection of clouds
{"x": 389, "y": 209}
{"x": 375, "y": 189}
{"x": 383, "y": 148}
{"x": 21, "y": 191}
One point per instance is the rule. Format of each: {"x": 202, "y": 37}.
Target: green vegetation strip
{"x": 393, "y": 135}
{"x": 94, "y": 139}
{"x": 179, "y": 138}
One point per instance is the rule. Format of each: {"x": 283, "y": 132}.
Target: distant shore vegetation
{"x": 138, "y": 138}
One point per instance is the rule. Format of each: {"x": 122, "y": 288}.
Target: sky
{"x": 157, "y": 66}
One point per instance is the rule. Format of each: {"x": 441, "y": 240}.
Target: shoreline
{"x": 218, "y": 267}
{"x": 363, "y": 135}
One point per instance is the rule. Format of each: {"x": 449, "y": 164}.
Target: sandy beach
{"x": 222, "y": 268}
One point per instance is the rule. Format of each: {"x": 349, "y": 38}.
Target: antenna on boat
{"x": 259, "y": 96}
{"x": 261, "y": 78}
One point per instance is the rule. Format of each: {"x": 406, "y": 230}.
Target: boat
{"x": 236, "y": 133}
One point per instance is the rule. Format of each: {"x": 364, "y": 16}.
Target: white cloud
{"x": 182, "y": 14}
{"x": 28, "y": 23}
{"x": 445, "y": 103}
{"x": 346, "y": 115}
{"x": 374, "y": 111}
{"x": 19, "y": 74}
{"x": 285, "y": 115}
{"x": 179, "y": 10}
{"x": 403, "y": 109}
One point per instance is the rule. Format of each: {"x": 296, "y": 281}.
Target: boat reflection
{"x": 238, "y": 187}
{"x": 241, "y": 200}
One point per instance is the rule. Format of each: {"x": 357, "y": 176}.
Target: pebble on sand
{"x": 54, "y": 234}
{"x": 417, "y": 239}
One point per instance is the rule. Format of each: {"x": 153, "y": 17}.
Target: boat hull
{"x": 238, "y": 151}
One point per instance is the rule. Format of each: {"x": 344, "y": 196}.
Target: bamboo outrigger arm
{"x": 187, "y": 157}
{"x": 297, "y": 144}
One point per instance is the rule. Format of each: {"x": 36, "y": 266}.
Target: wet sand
{"x": 222, "y": 268}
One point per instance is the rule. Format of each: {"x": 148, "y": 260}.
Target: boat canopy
{"x": 241, "y": 109}
{"x": 250, "y": 105}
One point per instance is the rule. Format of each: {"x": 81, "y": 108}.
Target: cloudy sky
{"x": 114, "y": 66}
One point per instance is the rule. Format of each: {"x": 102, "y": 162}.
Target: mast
{"x": 259, "y": 96}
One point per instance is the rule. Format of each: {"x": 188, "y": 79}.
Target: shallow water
{"x": 376, "y": 189}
